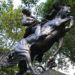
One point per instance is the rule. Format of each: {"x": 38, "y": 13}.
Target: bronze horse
{"x": 41, "y": 46}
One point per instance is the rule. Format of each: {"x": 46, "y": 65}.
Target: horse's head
{"x": 64, "y": 11}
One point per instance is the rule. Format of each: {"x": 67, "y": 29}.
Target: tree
{"x": 11, "y": 29}
{"x": 29, "y": 3}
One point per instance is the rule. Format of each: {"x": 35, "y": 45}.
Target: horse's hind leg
{"x": 22, "y": 67}
{"x": 39, "y": 57}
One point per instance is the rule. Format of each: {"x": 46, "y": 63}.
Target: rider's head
{"x": 26, "y": 12}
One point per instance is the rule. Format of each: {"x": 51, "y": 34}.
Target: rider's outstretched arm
{"x": 38, "y": 31}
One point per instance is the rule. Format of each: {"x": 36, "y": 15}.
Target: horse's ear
{"x": 26, "y": 12}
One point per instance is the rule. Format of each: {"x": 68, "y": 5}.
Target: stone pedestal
{"x": 52, "y": 72}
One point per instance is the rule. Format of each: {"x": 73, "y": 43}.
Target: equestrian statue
{"x": 38, "y": 39}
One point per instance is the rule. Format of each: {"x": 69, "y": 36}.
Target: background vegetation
{"x": 11, "y": 29}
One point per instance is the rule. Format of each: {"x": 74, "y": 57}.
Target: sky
{"x": 18, "y": 2}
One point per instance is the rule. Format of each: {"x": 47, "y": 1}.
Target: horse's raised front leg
{"x": 51, "y": 60}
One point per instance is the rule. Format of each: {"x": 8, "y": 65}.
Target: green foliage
{"x": 11, "y": 21}
{"x": 44, "y": 9}
{"x": 29, "y": 3}
{"x": 11, "y": 29}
